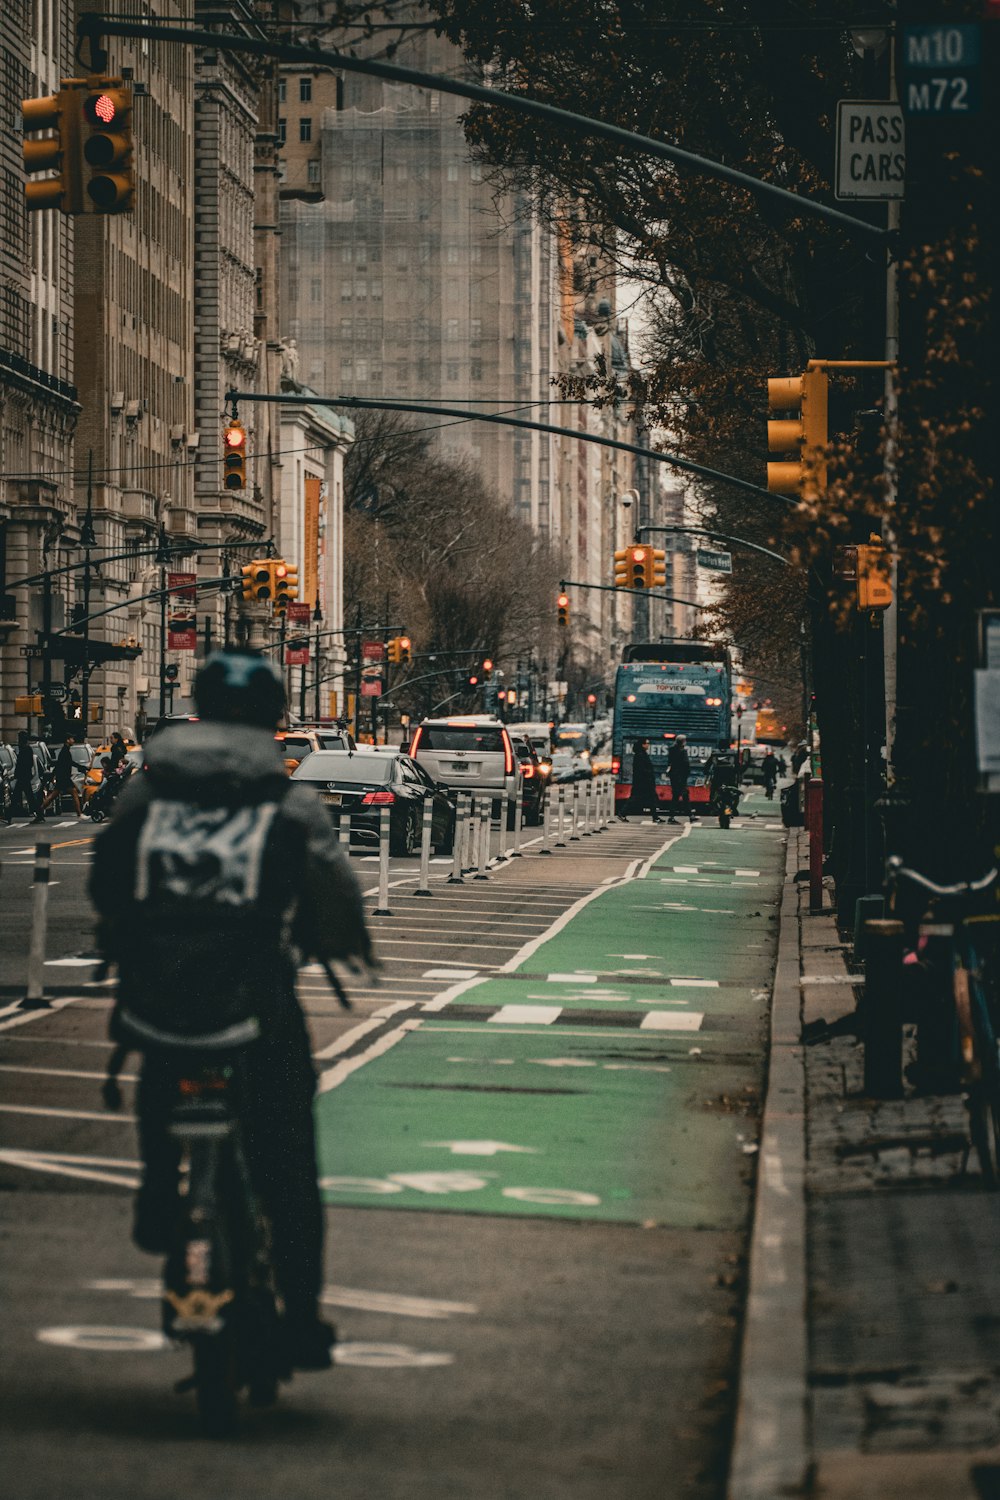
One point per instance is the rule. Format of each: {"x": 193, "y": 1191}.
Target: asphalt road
{"x": 529, "y": 1352}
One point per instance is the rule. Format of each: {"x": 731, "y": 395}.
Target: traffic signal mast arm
{"x": 97, "y": 27}
{"x": 611, "y": 588}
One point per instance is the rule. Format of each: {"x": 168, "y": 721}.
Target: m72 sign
{"x": 871, "y": 154}
{"x": 940, "y": 69}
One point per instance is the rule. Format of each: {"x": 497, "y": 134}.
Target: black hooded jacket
{"x": 216, "y": 876}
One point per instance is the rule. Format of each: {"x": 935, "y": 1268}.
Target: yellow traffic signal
{"x": 658, "y": 568}
{"x": 258, "y": 584}
{"x": 562, "y": 608}
{"x": 404, "y": 648}
{"x": 392, "y": 650}
{"x": 286, "y": 585}
{"x": 28, "y": 703}
{"x": 487, "y": 667}
{"x": 106, "y": 125}
{"x": 234, "y": 456}
{"x": 58, "y": 152}
{"x": 640, "y": 567}
{"x": 804, "y": 435}
{"x": 623, "y": 578}
{"x": 874, "y": 578}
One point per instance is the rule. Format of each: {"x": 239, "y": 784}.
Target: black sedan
{"x": 359, "y": 783}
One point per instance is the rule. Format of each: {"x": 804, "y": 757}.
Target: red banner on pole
{"x": 182, "y": 622}
{"x": 371, "y": 687}
{"x": 297, "y": 654}
{"x": 298, "y": 614}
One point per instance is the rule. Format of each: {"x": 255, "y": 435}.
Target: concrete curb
{"x": 770, "y": 1456}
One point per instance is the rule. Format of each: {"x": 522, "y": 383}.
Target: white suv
{"x": 470, "y": 752}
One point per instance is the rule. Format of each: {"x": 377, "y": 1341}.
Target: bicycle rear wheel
{"x": 981, "y": 1071}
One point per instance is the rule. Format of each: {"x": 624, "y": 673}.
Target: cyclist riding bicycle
{"x": 214, "y": 880}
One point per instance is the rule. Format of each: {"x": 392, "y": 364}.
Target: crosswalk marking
{"x": 671, "y": 1020}
{"x": 529, "y": 1015}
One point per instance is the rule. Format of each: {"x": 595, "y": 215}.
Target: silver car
{"x": 471, "y": 752}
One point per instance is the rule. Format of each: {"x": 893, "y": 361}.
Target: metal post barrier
{"x": 506, "y": 803}
{"x": 382, "y": 910}
{"x": 469, "y": 836}
{"x": 882, "y": 1014}
{"x": 574, "y": 837}
{"x": 344, "y": 832}
{"x": 599, "y": 804}
{"x": 560, "y": 814}
{"x": 515, "y": 852}
{"x": 455, "y": 878}
{"x": 485, "y": 819}
{"x": 423, "y": 884}
{"x": 586, "y": 808}
{"x": 814, "y": 827}
{"x": 35, "y": 997}
{"x": 547, "y": 822}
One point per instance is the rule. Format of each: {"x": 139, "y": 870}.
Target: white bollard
{"x": 483, "y": 852}
{"x": 423, "y": 883}
{"x": 586, "y": 809}
{"x": 455, "y": 878}
{"x": 382, "y": 910}
{"x": 574, "y": 837}
{"x": 505, "y": 805}
{"x": 560, "y": 814}
{"x": 344, "y": 832}
{"x": 515, "y": 852}
{"x": 35, "y": 997}
{"x": 469, "y": 836}
{"x": 546, "y": 822}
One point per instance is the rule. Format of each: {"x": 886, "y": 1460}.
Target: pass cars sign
{"x": 871, "y": 150}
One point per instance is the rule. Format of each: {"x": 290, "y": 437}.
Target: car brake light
{"x": 616, "y": 765}
{"x": 508, "y": 755}
{"x": 378, "y": 799}
{"x": 416, "y": 740}
{"x": 529, "y": 770}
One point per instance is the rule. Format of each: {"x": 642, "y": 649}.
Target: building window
{"x": 451, "y": 370}
{"x": 451, "y": 333}
{"x": 476, "y": 172}
{"x": 312, "y": 170}
{"x": 282, "y": 90}
{"x": 305, "y": 90}
{"x": 347, "y": 254}
{"x": 451, "y": 255}
{"x": 315, "y": 289}
{"x": 282, "y": 131}
{"x": 306, "y": 128}
{"x": 453, "y": 171}
{"x": 475, "y": 369}
{"x": 476, "y": 331}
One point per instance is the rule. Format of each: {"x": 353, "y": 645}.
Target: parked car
{"x": 358, "y": 783}
{"x": 536, "y": 773}
{"x": 469, "y": 753}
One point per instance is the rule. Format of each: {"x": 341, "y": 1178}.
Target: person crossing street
{"x": 679, "y": 769}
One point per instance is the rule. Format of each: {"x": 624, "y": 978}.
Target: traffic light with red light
{"x": 404, "y": 648}
{"x": 487, "y": 667}
{"x": 640, "y": 563}
{"x": 562, "y": 611}
{"x": 804, "y": 435}
{"x": 286, "y": 584}
{"x": 234, "y": 456}
{"x": 106, "y": 132}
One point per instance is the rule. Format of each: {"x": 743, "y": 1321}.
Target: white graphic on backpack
{"x": 209, "y": 854}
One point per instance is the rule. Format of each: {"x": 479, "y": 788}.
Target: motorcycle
{"x": 724, "y": 788}
{"x": 729, "y": 804}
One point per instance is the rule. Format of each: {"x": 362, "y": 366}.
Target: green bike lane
{"x": 611, "y": 1071}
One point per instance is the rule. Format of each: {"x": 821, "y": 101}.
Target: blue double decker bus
{"x": 667, "y": 688}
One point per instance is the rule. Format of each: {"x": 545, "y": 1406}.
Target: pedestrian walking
{"x": 679, "y": 769}
{"x": 24, "y": 775}
{"x": 64, "y": 784}
{"x": 643, "y": 784}
{"x": 119, "y": 750}
{"x": 769, "y": 771}
{"x": 799, "y": 757}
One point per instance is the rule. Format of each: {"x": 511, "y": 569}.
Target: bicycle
{"x": 219, "y": 1291}
{"x": 963, "y": 1036}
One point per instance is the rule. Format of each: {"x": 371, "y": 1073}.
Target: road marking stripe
{"x": 336, "y": 1075}
{"x": 527, "y": 1015}
{"x": 64, "y": 1073}
{"x": 68, "y": 1114}
{"x": 23, "y": 1016}
{"x": 671, "y": 1020}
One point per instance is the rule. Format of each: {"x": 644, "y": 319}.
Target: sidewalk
{"x": 871, "y": 1363}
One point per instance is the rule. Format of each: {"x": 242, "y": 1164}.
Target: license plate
{"x": 332, "y": 799}
{"x": 467, "y": 767}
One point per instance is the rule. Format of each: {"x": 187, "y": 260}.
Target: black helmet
{"x": 240, "y": 687}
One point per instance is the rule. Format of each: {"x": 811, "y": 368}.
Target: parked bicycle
{"x": 959, "y": 1022}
